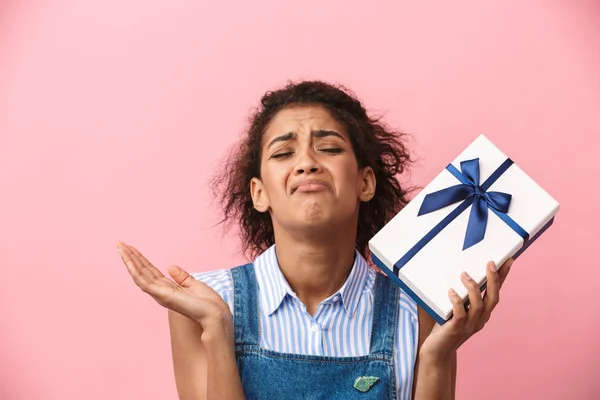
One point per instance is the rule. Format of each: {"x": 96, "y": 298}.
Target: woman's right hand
{"x": 184, "y": 294}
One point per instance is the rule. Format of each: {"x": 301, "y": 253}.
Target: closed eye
{"x": 334, "y": 150}
{"x": 282, "y": 155}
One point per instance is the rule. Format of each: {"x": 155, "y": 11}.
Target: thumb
{"x": 179, "y": 275}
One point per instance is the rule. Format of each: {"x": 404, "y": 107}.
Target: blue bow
{"x": 469, "y": 190}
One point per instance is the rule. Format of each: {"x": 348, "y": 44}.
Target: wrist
{"x": 435, "y": 360}
{"x": 216, "y": 333}
{"x": 435, "y": 379}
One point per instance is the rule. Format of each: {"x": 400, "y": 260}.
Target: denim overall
{"x": 272, "y": 375}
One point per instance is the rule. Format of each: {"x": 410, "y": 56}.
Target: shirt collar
{"x": 273, "y": 287}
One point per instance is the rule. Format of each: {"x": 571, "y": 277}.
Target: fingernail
{"x": 452, "y": 293}
{"x": 466, "y": 276}
{"x": 492, "y": 266}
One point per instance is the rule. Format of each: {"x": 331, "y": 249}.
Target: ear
{"x": 367, "y": 184}
{"x": 259, "y": 195}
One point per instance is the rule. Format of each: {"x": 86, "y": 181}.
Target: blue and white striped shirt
{"x": 341, "y": 325}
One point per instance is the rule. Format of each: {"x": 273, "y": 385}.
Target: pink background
{"x": 114, "y": 113}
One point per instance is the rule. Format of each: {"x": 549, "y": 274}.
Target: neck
{"x": 316, "y": 266}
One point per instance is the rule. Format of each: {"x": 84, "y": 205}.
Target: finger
{"x": 492, "y": 292}
{"x": 143, "y": 281}
{"x": 140, "y": 280}
{"x": 504, "y": 270}
{"x": 133, "y": 263}
{"x": 126, "y": 258}
{"x": 146, "y": 264}
{"x": 159, "y": 289}
{"x": 475, "y": 301}
{"x": 142, "y": 269}
{"x": 180, "y": 276}
{"x": 458, "y": 308}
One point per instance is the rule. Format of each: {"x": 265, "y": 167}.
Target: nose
{"x": 307, "y": 163}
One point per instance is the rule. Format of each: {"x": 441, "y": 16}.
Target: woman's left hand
{"x": 446, "y": 339}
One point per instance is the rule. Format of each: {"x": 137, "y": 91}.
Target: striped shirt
{"x": 341, "y": 325}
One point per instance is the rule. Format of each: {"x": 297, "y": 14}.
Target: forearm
{"x": 436, "y": 381}
{"x": 204, "y": 361}
{"x": 223, "y": 378}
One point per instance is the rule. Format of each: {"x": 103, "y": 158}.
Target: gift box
{"x": 481, "y": 208}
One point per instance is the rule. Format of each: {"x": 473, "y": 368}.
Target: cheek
{"x": 274, "y": 182}
{"x": 348, "y": 177}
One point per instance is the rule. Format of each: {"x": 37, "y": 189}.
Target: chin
{"x": 313, "y": 212}
{"x": 317, "y": 215}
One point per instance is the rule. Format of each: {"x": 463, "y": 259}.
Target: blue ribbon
{"x": 469, "y": 192}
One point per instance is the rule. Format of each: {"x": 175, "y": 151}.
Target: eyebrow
{"x": 319, "y": 133}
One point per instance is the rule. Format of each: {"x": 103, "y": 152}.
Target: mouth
{"x": 310, "y": 186}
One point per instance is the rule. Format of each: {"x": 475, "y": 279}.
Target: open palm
{"x": 183, "y": 294}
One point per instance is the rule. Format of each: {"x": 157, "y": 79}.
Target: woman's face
{"x": 309, "y": 175}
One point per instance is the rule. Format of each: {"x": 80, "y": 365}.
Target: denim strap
{"x": 245, "y": 306}
{"x": 384, "y": 317}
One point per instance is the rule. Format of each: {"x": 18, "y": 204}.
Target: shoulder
{"x": 408, "y": 309}
{"x": 221, "y": 281}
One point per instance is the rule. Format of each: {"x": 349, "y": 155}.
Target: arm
{"x": 189, "y": 357}
{"x": 201, "y": 329}
{"x": 203, "y": 362}
{"x": 433, "y": 379}
{"x": 435, "y": 372}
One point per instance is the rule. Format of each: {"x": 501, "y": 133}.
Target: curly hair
{"x": 374, "y": 144}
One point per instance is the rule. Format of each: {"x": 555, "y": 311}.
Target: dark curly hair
{"x": 374, "y": 145}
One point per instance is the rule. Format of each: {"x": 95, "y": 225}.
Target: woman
{"x": 311, "y": 183}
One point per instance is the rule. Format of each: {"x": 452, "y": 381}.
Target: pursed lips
{"x": 310, "y": 185}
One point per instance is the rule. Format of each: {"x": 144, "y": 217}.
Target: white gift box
{"x": 425, "y": 253}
